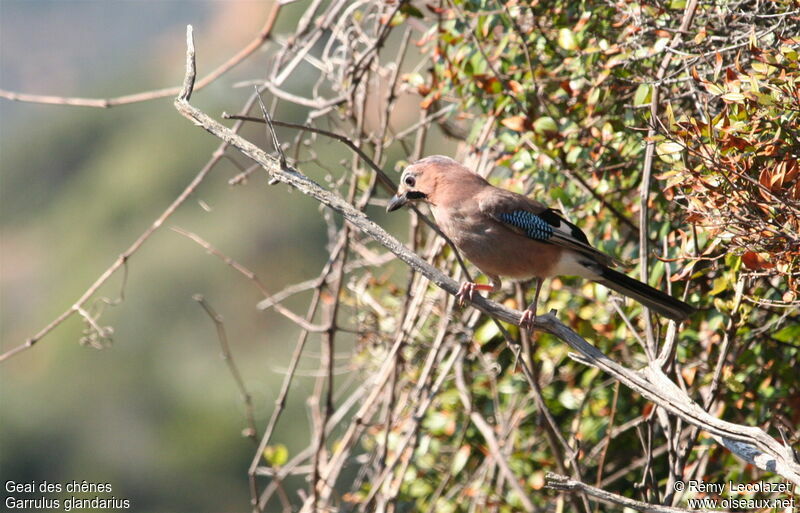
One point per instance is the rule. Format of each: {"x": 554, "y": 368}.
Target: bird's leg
{"x": 468, "y": 288}
{"x": 529, "y": 315}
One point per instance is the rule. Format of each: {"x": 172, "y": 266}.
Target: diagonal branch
{"x": 563, "y": 483}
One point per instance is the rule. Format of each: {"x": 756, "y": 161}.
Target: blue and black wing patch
{"x": 529, "y": 223}
{"x": 559, "y": 223}
{"x": 547, "y": 226}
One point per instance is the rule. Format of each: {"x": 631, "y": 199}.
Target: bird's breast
{"x": 495, "y": 249}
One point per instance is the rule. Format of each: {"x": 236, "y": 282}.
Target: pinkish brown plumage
{"x": 507, "y": 234}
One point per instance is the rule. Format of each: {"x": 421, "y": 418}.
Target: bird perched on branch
{"x": 507, "y": 234}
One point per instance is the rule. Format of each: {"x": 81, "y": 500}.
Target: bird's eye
{"x": 410, "y": 181}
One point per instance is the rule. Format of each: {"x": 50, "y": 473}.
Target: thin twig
{"x": 563, "y": 483}
{"x": 251, "y": 432}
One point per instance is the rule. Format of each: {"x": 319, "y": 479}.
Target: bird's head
{"x": 420, "y": 180}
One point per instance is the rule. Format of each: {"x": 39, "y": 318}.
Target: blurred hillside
{"x": 157, "y": 414}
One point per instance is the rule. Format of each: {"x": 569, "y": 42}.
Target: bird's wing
{"x": 536, "y": 221}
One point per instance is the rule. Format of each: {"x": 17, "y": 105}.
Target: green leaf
{"x": 733, "y": 383}
{"x": 594, "y": 96}
{"x": 642, "y": 95}
{"x": 460, "y": 459}
{"x": 713, "y": 88}
{"x": 574, "y": 154}
{"x": 571, "y": 398}
{"x": 566, "y": 39}
{"x": 545, "y": 125}
{"x": 670, "y": 115}
{"x": 660, "y": 44}
{"x": 765, "y": 100}
{"x": 789, "y": 333}
{"x": 789, "y": 52}
{"x": 761, "y": 67}
{"x": 720, "y": 284}
{"x": 276, "y": 455}
{"x": 733, "y": 97}
{"x": 419, "y": 488}
{"x": 410, "y": 10}
{"x": 669, "y": 151}
{"x": 487, "y": 331}
{"x": 437, "y": 423}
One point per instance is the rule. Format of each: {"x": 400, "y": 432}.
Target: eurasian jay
{"x": 507, "y": 234}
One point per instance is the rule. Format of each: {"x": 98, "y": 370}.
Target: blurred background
{"x": 157, "y": 413}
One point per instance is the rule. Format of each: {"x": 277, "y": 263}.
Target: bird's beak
{"x": 397, "y": 201}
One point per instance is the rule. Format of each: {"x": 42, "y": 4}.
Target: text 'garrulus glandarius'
{"x": 507, "y": 234}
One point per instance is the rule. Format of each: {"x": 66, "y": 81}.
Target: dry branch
{"x": 563, "y": 483}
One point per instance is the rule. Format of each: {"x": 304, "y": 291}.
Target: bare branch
{"x": 563, "y": 483}
{"x": 251, "y": 432}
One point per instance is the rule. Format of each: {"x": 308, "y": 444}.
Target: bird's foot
{"x": 467, "y": 291}
{"x": 528, "y": 319}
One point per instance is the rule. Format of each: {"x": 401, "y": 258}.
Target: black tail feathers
{"x": 652, "y": 298}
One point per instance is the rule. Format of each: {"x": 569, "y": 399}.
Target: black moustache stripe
{"x": 415, "y": 195}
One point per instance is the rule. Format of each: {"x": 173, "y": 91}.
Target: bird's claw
{"x": 528, "y": 319}
{"x": 466, "y": 292}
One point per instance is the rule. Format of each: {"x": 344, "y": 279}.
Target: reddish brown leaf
{"x": 428, "y": 100}
{"x": 515, "y": 86}
{"x": 792, "y": 170}
{"x": 688, "y": 374}
{"x": 778, "y": 175}
{"x": 435, "y": 10}
{"x": 486, "y": 82}
{"x": 736, "y": 142}
{"x": 765, "y": 178}
{"x": 756, "y": 261}
{"x": 795, "y": 194}
{"x": 515, "y": 123}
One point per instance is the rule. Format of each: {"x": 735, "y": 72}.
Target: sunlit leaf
{"x": 790, "y": 333}
{"x": 460, "y": 459}
{"x": 276, "y": 455}
{"x": 516, "y": 123}
{"x": 643, "y": 94}
{"x": 669, "y": 151}
{"x": 733, "y": 97}
{"x": 566, "y": 39}
{"x": 713, "y": 88}
{"x": 545, "y": 125}
{"x": 756, "y": 261}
